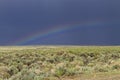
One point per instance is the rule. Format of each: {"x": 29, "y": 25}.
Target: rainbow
{"x": 59, "y": 28}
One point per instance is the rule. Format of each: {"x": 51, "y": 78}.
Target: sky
{"x": 59, "y": 22}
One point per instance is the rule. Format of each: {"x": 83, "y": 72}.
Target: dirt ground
{"x": 93, "y": 77}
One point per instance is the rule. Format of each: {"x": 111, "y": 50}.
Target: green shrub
{"x": 60, "y": 71}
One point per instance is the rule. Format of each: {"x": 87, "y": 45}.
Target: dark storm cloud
{"x": 29, "y": 12}
{"x": 21, "y": 17}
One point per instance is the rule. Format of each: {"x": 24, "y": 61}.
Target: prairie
{"x": 59, "y": 62}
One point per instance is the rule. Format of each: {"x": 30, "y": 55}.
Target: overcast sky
{"x": 19, "y": 18}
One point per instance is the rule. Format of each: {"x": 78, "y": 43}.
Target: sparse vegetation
{"x": 58, "y": 63}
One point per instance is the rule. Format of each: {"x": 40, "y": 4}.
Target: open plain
{"x": 59, "y": 63}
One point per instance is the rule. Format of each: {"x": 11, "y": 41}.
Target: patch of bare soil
{"x": 112, "y": 77}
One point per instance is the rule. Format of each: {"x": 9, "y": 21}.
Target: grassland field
{"x": 59, "y": 62}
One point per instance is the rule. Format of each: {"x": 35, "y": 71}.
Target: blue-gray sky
{"x": 19, "y": 18}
